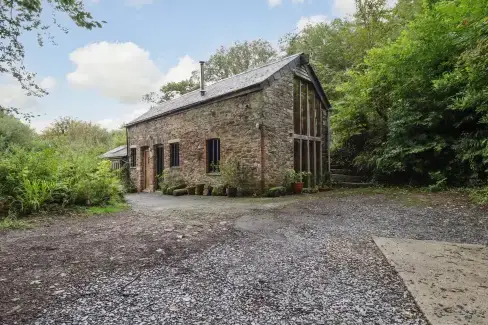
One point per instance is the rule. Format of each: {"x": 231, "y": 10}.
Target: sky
{"x": 102, "y": 74}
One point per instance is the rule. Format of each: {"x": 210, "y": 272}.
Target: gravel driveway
{"x": 260, "y": 262}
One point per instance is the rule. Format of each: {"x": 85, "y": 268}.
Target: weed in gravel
{"x": 10, "y": 223}
{"x": 111, "y": 208}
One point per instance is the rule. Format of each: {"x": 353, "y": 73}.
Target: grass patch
{"x": 9, "y": 223}
{"x": 106, "y": 209}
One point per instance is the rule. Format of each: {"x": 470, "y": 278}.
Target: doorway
{"x": 159, "y": 162}
{"x": 146, "y": 170}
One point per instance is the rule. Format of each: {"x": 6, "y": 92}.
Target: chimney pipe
{"x": 202, "y": 78}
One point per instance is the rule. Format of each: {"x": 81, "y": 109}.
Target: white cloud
{"x": 186, "y": 65}
{"x": 123, "y": 71}
{"x": 12, "y": 94}
{"x": 117, "y": 70}
{"x": 48, "y": 83}
{"x": 274, "y": 3}
{"x": 344, "y": 7}
{"x": 310, "y": 21}
{"x": 40, "y": 125}
{"x": 115, "y": 123}
{"x": 297, "y": 1}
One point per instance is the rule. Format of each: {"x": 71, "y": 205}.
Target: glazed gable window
{"x": 132, "y": 157}
{"x": 174, "y": 151}
{"x": 213, "y": 155}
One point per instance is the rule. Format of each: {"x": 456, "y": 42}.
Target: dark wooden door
{"x": 146, "y": 169}
{"x": 159, "y": 162}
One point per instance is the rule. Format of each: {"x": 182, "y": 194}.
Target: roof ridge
{"x": 233, "y": 76}
{"x": 259, "y": 67}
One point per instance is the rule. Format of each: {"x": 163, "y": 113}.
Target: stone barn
{"x": 271, "y": 118}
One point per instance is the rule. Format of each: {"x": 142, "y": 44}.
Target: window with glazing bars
{"x": 133, "y": 157}
{"x": 174, "y": 154}
{"x": 159, "y": 160}
{"x": 213, "y": 155}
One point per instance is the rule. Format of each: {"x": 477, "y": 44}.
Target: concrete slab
{"x": 448, "y": 281}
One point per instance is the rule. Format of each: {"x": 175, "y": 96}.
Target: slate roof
{"x": 240, "y": 82}
{"x": 119, "y": 152}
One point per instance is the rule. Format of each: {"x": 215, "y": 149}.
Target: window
{"x": 213, "y": 155}
{"x": 159, "y": 160}
{"x": 174, "y": 149}
{"x": 296, "y": 106}
{"x": 308, "y": 130}
{"x": 115, "y": 164}
{"x": 133, "y": 157}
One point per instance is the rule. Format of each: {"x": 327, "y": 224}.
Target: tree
{"x": 421, "y": 101}
{"x": 23, "y": 16}
{"x": 14, "y": 132}
{"x": 78, "y": 135}
{"x": 225, "y": 63}
{"x": 171, "y": 90}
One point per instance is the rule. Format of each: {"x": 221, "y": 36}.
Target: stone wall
{"x": 278, "y": 126}
{"x": 244, "y": 124}
{"x": 278, "y": 122}
{"x": 233, "y": 121}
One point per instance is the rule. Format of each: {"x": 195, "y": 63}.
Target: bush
{"x": 170, "y": 190}
{"x": 98, "y": 187}
{"x": 169, "y": 181}
{"x": 235, "y": 174}
{"x": 125, "y": 179}
{"x": 275, "y": 191}
{"x": 33, "y": 179}
{"x": 310, "y": 190}
{"x": 479, "y": 195}
{"x": 219, "y": 190}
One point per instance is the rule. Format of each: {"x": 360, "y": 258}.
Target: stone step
{"x": 346, "y": 178}
{"x": 341, "y": 171}
{"x": 352, "y": 184}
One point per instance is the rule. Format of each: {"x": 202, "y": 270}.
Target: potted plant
{"x": 289, "y": 180}
{"x": 230, "y": 174}
{"x": 299, "y": 181}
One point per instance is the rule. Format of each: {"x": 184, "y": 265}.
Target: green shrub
{"x": 126, "y": 180}
{"x": 98, "y": 187}
{"x": 275, "y": 191}
{"x": 235, "y": 174}
{"x": 33, "y": 179}
{"x": 310, "y": 190}
{"x": 479, "y": 195}
{"x": 171, "y": 189}
{"x": 12, "y": 223}
{"x": 219, "y": 190}
{"x": 32, "y": 195}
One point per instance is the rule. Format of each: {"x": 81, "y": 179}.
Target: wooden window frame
{"x": 133, "y": 157}
{"x": 312, "y": 136}
{"x": 174, "y": 155}
{"x": 213, "y": 155}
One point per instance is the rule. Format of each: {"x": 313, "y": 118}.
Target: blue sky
{"x": 100, "y": 75}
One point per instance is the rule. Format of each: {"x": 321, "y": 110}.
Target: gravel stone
{"x": 311, "y": 262}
